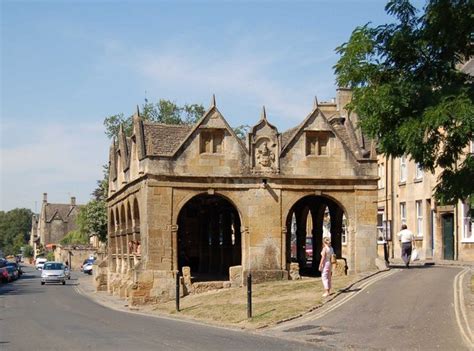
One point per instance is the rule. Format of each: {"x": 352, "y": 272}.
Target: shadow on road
{"x": 402, "y": 266}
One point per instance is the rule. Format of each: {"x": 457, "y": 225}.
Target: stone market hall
{"x": 197, "y": 199}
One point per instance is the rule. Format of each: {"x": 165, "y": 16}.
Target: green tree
{"x": 28, "y": 251}
{"x": 75, "y": 237}
{"x": 164, "y": 111}
{"x": 92, "y": 219}
{"x": 15, "y": 228}
{"x": 241, "y": 131}
{"x": 409, "y": 92}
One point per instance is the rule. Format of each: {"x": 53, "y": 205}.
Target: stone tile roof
{"x": 163, "y": 139}
{"x": 286, "y": 135}
{"x": 62, "y": 211}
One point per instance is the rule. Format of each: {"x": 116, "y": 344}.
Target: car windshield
{"x": 53, "y": 266}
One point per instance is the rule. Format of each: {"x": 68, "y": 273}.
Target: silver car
{"x": 53, "y": 272}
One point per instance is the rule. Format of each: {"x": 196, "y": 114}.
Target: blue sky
{"x": 66, "y": 65}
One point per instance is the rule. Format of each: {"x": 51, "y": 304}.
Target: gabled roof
{"x": 61, "y": 211}
{"x": 212, "y": 109}
{"x": 341, "y": 130}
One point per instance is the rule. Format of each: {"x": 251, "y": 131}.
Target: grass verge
{"x": 271, "y": 302}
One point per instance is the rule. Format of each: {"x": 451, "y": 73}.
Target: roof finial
{"x": 213, "y": 101}
{"x": 315, "y": 105}
{"x": 121, "y": 128}
{"x": 264, "y": 113}
{"x": 138, "y": 111}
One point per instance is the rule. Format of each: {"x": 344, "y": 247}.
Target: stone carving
{"x": 265, "y": 156}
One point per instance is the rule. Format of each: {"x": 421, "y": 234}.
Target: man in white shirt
{"x": 406, "y": 237}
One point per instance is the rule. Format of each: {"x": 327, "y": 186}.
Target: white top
{"x": 405, "y": 236}
{"x": 329, "y": 251}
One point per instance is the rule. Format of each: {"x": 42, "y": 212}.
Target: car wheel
{"x": 42, "y": 283}
{"x": 64, "y": 282}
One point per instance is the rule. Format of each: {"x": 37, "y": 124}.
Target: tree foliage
{"x": 15, "y": 228}
{"x": 92, "y": 219}
{"x": 75, "y": 237}
{"x": 409, "y": 92}
{"x": 164, "y": 111}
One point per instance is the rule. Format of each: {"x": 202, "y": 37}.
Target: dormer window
{"x": 211, "y": 141}
{"x": 317, "y": 143}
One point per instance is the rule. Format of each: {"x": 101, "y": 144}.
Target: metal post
{"x": 177, "y": 291}
{"x": 249, "y": 296}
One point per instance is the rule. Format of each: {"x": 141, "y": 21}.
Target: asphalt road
{"x": 409, "y": 309}
{"x": 56, "y": 317}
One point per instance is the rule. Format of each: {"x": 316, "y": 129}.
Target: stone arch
{"x": 209, "y": 236}
{"x": 136, "y": 213}
{"x": 304, "y": 247}
{"x": 188, "y": 197}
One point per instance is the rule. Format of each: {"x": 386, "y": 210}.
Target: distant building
{"x": 53, "y": 222}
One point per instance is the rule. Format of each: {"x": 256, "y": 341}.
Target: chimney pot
{"x": 45, "y": 197}
{"x": 73, "y": 201}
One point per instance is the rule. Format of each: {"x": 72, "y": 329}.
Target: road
{"x": 409, "y": 309}
{"x": 56, "y": 317}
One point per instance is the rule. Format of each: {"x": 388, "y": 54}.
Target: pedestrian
{"x": 407, "y": 240}
{"x": 325, "y": 266}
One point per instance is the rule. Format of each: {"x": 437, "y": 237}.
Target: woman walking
{"x": 325, "y": 266}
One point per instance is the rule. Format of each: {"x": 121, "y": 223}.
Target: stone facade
{"x": 199, "y": 198}
{"x": 53, "y": 223}
{"x": 405, "y": 195}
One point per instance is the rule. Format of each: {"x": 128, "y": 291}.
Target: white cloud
{"x": 60, "y": 159}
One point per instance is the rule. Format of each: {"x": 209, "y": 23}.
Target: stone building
{"x": 53, "y": 222}
{"x": 197, "y": 196}
{"x": 406, "y": 197}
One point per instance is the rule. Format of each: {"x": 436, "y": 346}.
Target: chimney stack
{"x": 45, "y": 197}
{"x": 73, "y": 201}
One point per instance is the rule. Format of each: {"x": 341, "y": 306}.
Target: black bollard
{"x": 177, "y": 291}
{"x": 249, "y": 296}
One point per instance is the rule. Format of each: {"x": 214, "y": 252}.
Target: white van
{"x": 40, "y": 262}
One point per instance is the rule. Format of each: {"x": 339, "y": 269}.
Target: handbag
{"x": 415, "y": 256}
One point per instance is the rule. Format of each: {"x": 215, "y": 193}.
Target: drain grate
{"x": 300, "y": 328}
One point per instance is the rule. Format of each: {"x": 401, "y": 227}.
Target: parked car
{"x": 16, "y": 265}
{"x": 53, "y": 272}
{"x": 4, "y": 276}
{"x": 40, "y": 262}
{"x": 309, "y": 249}
{"x": 12, "y": 272}
{"x": 87, "y": 267}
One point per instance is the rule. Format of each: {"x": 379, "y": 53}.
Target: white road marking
{"x": 459, "y": 310}
{"x": 351, "y": 295}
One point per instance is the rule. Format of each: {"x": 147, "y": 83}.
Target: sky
{"x": 66, "y": 65}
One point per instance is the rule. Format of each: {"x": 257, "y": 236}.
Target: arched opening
{"x": 129, "y": 217}
{"x": 136, "y": 214}
{"x": 309, "y": 220}
{"x": 209, "y": 239}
